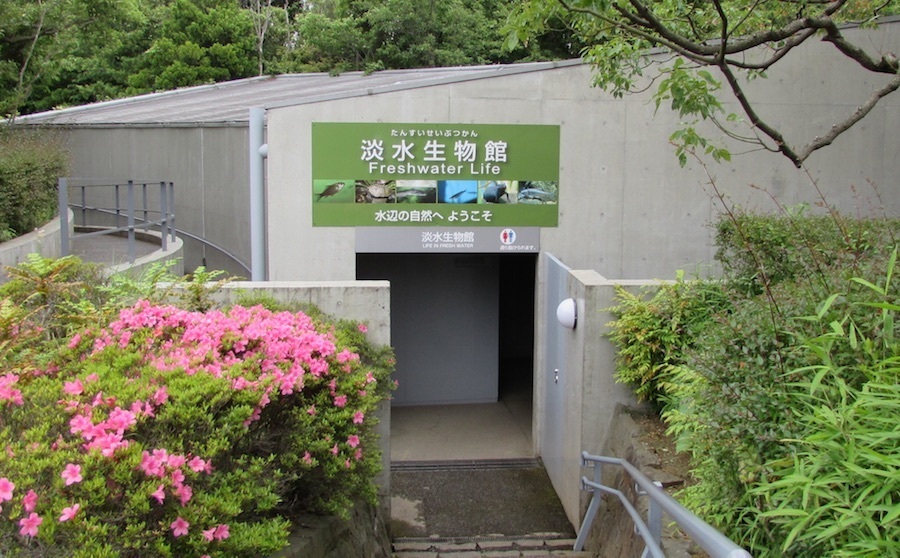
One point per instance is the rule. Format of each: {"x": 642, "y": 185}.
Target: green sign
{"x": 447, "y": 175}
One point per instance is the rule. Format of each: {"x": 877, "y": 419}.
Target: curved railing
{"x": 705, "y": 535}
{"x": 137, "y": 214}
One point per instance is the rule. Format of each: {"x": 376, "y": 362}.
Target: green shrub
{"x": 775, "y": 423}
{"x": 837, "y": 491}
{"x": 30, "y": 164}
{"x": 170, "y": 432}
{"x": 759, "y": 249}
{"x": 651, "y": 335}
{"x": 741, "y": 393}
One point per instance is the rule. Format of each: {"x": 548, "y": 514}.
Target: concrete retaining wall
{"x": 44, "y": 241}
{"x": 593, "y": 396}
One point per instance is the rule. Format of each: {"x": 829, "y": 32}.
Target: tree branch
{"x": 757, "y": 122}
{"x": 856, "y": 116}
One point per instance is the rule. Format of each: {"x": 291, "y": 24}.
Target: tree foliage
{"x": 739, "y": 40}
{"x": 57, "y": 53}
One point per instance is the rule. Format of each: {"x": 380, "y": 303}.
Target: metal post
{"x": 654, "y": 519}
{"x": 63, "y": 202}
{"x": 172, "y": 210}
{"x": 118, "y": 209}
{"x": 83, "y": 206}
{"x": 164, "y": 216}
{"x": 257, "y": 195}
{"x": 144, "y": 199}
{"x": 131, "y": 246}
{"x": 591, "y": 513}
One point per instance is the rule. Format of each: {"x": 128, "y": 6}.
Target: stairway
{"x": 532, "y": 546}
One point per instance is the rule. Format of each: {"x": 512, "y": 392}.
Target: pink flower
{"x": 353, "y": 441}
{"x": 179, "y": 527}
{"x": 160, "y": 494}
{"x": 71, "y": 474}
{"x": 73, "y": 388}
{"x": 30, "y": 525}
{"x": 197, "y": 465}
{"x": 30, "y": 500}
{"x": 177, "y": 477}
{"x": 311, "y": 411}
{"x": 340, "y": 401}
{"x": 69, "y": 513}
{"x": 222, "y": 532}
{"x": 6, "y": 489}
{"x": 358, "y": 417}
{"x": 307, "y": 458}
{"x": 334, "y": 450}
{"x": 363, "y": 328}
{"x": 184, "y": 493}
{"x": 161, "y": 396}
{"x": 151, "y": 465}
{"x": 80, "y": 423}
{"x": 209, "y": 534}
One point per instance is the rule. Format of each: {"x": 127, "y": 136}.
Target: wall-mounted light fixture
{"x": 567, "y": 313}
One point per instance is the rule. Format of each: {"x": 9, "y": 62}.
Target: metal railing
{"x": 706, "y": 536}
{"x": 131, "y": 214}
{"x": 164, "y": 216}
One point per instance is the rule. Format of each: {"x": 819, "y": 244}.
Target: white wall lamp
{"x": 567, "y": 313}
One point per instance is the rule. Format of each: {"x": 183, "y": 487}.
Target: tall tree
{"x": 739, "y": 39}
{"x": 38, "y": 36}
{"x": 198, "y": 41}
{"x": 338, "y": 35}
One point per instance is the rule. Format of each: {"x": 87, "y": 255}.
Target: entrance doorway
{"x": 462, "y": 327}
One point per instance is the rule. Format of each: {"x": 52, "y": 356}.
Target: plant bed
{"x": 172, "y": 432}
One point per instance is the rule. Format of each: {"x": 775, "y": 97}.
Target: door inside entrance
{"x": 462, "y": 328}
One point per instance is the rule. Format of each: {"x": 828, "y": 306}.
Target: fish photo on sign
{"x": 538, "y": 192}
{"x": 457, "y": 191}
{"x": 332, "y": 191}
{"x": 416, "y": 191}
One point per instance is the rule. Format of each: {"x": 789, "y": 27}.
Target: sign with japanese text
{"x": 444, "y": 239}
{"x": 435, "y": 175}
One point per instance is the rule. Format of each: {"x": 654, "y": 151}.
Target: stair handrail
{"x": 716, "y": 544}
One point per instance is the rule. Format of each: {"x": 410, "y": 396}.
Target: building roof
{"x": 227, "y": 103}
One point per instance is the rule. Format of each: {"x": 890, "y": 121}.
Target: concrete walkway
{"x": 109, "y": 250}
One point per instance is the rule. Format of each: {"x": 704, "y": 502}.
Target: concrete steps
{"x": 532, "y": 546}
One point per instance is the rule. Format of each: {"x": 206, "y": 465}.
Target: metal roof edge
{"x": 54, "y": 113}
{"x": 467, "y": 73}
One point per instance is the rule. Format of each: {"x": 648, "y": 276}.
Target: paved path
{"x": 108, "y": 249}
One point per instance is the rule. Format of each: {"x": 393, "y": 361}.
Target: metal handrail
{"x": 166, "y": 221}
{"x": 710, "y": 540}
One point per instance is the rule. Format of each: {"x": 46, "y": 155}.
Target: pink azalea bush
{"x": 169, "y": 432}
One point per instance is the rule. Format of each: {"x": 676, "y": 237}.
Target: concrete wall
{"x": 627, "y": 209}
{"x": 44, "y": 241}
{"x": 209, "y": 167}
{"x": 592, "y": 395}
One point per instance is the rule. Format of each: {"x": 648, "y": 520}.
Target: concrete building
{"x": 470, "y": 317}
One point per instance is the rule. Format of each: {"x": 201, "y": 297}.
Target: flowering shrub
{"x": 178, "y": 433}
